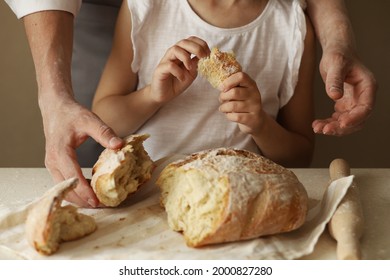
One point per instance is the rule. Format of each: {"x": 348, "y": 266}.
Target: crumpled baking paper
{"x": 138, "y": 229}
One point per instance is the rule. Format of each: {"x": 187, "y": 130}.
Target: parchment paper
{"x": 138, "y": 229}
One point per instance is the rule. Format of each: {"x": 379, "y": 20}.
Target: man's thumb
{"x": 104, "y": 135}
{"x": 335, "y": 82}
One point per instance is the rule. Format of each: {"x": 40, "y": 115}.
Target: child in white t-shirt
{"x": 150, "y": 82}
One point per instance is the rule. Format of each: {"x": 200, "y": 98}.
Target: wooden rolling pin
{"x": 346, "y": 225}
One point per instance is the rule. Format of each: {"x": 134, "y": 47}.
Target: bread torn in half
{"x": 218, "y": 66}
{"x": 119, "y": 173}
{"x": 48, "y": 223}
{"x": 225, "y": 195}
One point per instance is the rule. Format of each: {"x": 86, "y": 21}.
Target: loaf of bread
{"x": 223, "y": 195}
{"x": 48, "y": 223}
{"x": 119, "y": 173}
{"x": 218, "y": 66}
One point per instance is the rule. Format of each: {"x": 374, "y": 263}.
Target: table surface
{"x": 21, "y": 184}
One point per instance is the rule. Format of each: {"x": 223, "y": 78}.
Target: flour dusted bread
{"x": 224, "y": 195}
{"x": 119, "y": 173}
{"x": 218, "y": 66}
{"x": 48, "y": 223}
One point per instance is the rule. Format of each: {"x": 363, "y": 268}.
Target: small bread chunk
{"x": 218, "y": 66}
{"x": 48, "y": 223}
{"x": 119, "y": 173}
{"x": 225, "y": 195}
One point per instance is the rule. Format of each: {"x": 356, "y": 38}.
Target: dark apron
{"x": 93, "y": 33}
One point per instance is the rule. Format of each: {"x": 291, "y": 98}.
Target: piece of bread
{"x": 218, "y": 66}
{"x": 119, "y": 173}
{"x": 224, "y": 195}
{"x": 48, "y": 223}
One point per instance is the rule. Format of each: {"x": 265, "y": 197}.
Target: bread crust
{"x": 119, "y": 173}
{"x": 257, "y": 197}
{"x": 218, "y": 66}
{"x": 48, "y": 223}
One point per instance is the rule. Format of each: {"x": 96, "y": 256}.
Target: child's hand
{"x": 241, "y": 102}
{"x": 177, "y": 69}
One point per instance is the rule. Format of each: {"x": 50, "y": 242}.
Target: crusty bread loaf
{"x": 218, "y": 66}
{"x": 48, "y": 223}
{"x": 224, "y": 195}
{"x": 119, "y": 173}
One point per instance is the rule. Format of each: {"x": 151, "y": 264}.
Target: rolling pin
{"x": 346, "y": 225}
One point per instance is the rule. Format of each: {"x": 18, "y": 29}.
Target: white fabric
{"x": 24, "y": 7}
{"x": 269, "y": 49}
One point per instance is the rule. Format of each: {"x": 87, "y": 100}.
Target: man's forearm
{"x": 50, "y": 36}
{"x": 331, "y": 23}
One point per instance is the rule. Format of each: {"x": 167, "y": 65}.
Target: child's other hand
{"x": 177, "y": 69}
{"x": 241, "y": 102}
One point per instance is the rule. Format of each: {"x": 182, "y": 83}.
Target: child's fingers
{"x": 240, "y": 118}
{"x": 251, "y": 96}
{"x": 233, "y": 94}
{"x": 178, "y": 55}
{"x": 166, "y": 69}
{"x": 234, "y": 107}
{"x": 239, "y": 79}
{"x": 195, "y": 46}
{"x": 202, "y": 43}
{"x": 185, "y": 51}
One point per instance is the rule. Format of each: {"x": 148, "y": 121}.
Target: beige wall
{"x": 21, "y": 136}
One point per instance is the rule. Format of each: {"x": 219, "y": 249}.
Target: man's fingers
{"x": 55, "y": 173}
{"x": 318, "y": 126}
{"x": 73, "y": 197}
{"x": 83, "y": 189}
{"x": 332, "y": 127}
{"x": 69, "y": 167}
{"x": 355, "y": 117}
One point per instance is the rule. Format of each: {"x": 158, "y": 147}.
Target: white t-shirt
{"x": 24, "y": 7}
{"x": 269, "y": 49}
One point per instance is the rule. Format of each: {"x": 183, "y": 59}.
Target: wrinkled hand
{"x": 241, "y": 102}
{"x": 177, "y": 69}
{"x": 352, "y": 86}
{"x": 67, "y": 125}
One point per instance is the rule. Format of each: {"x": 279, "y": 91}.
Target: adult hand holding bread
{"x": 67, "y": 125}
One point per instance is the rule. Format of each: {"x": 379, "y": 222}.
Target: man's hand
{"x": 352, "y": 86}
{"x": 347, "y": 81}
{"x": 67, "y": 125}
